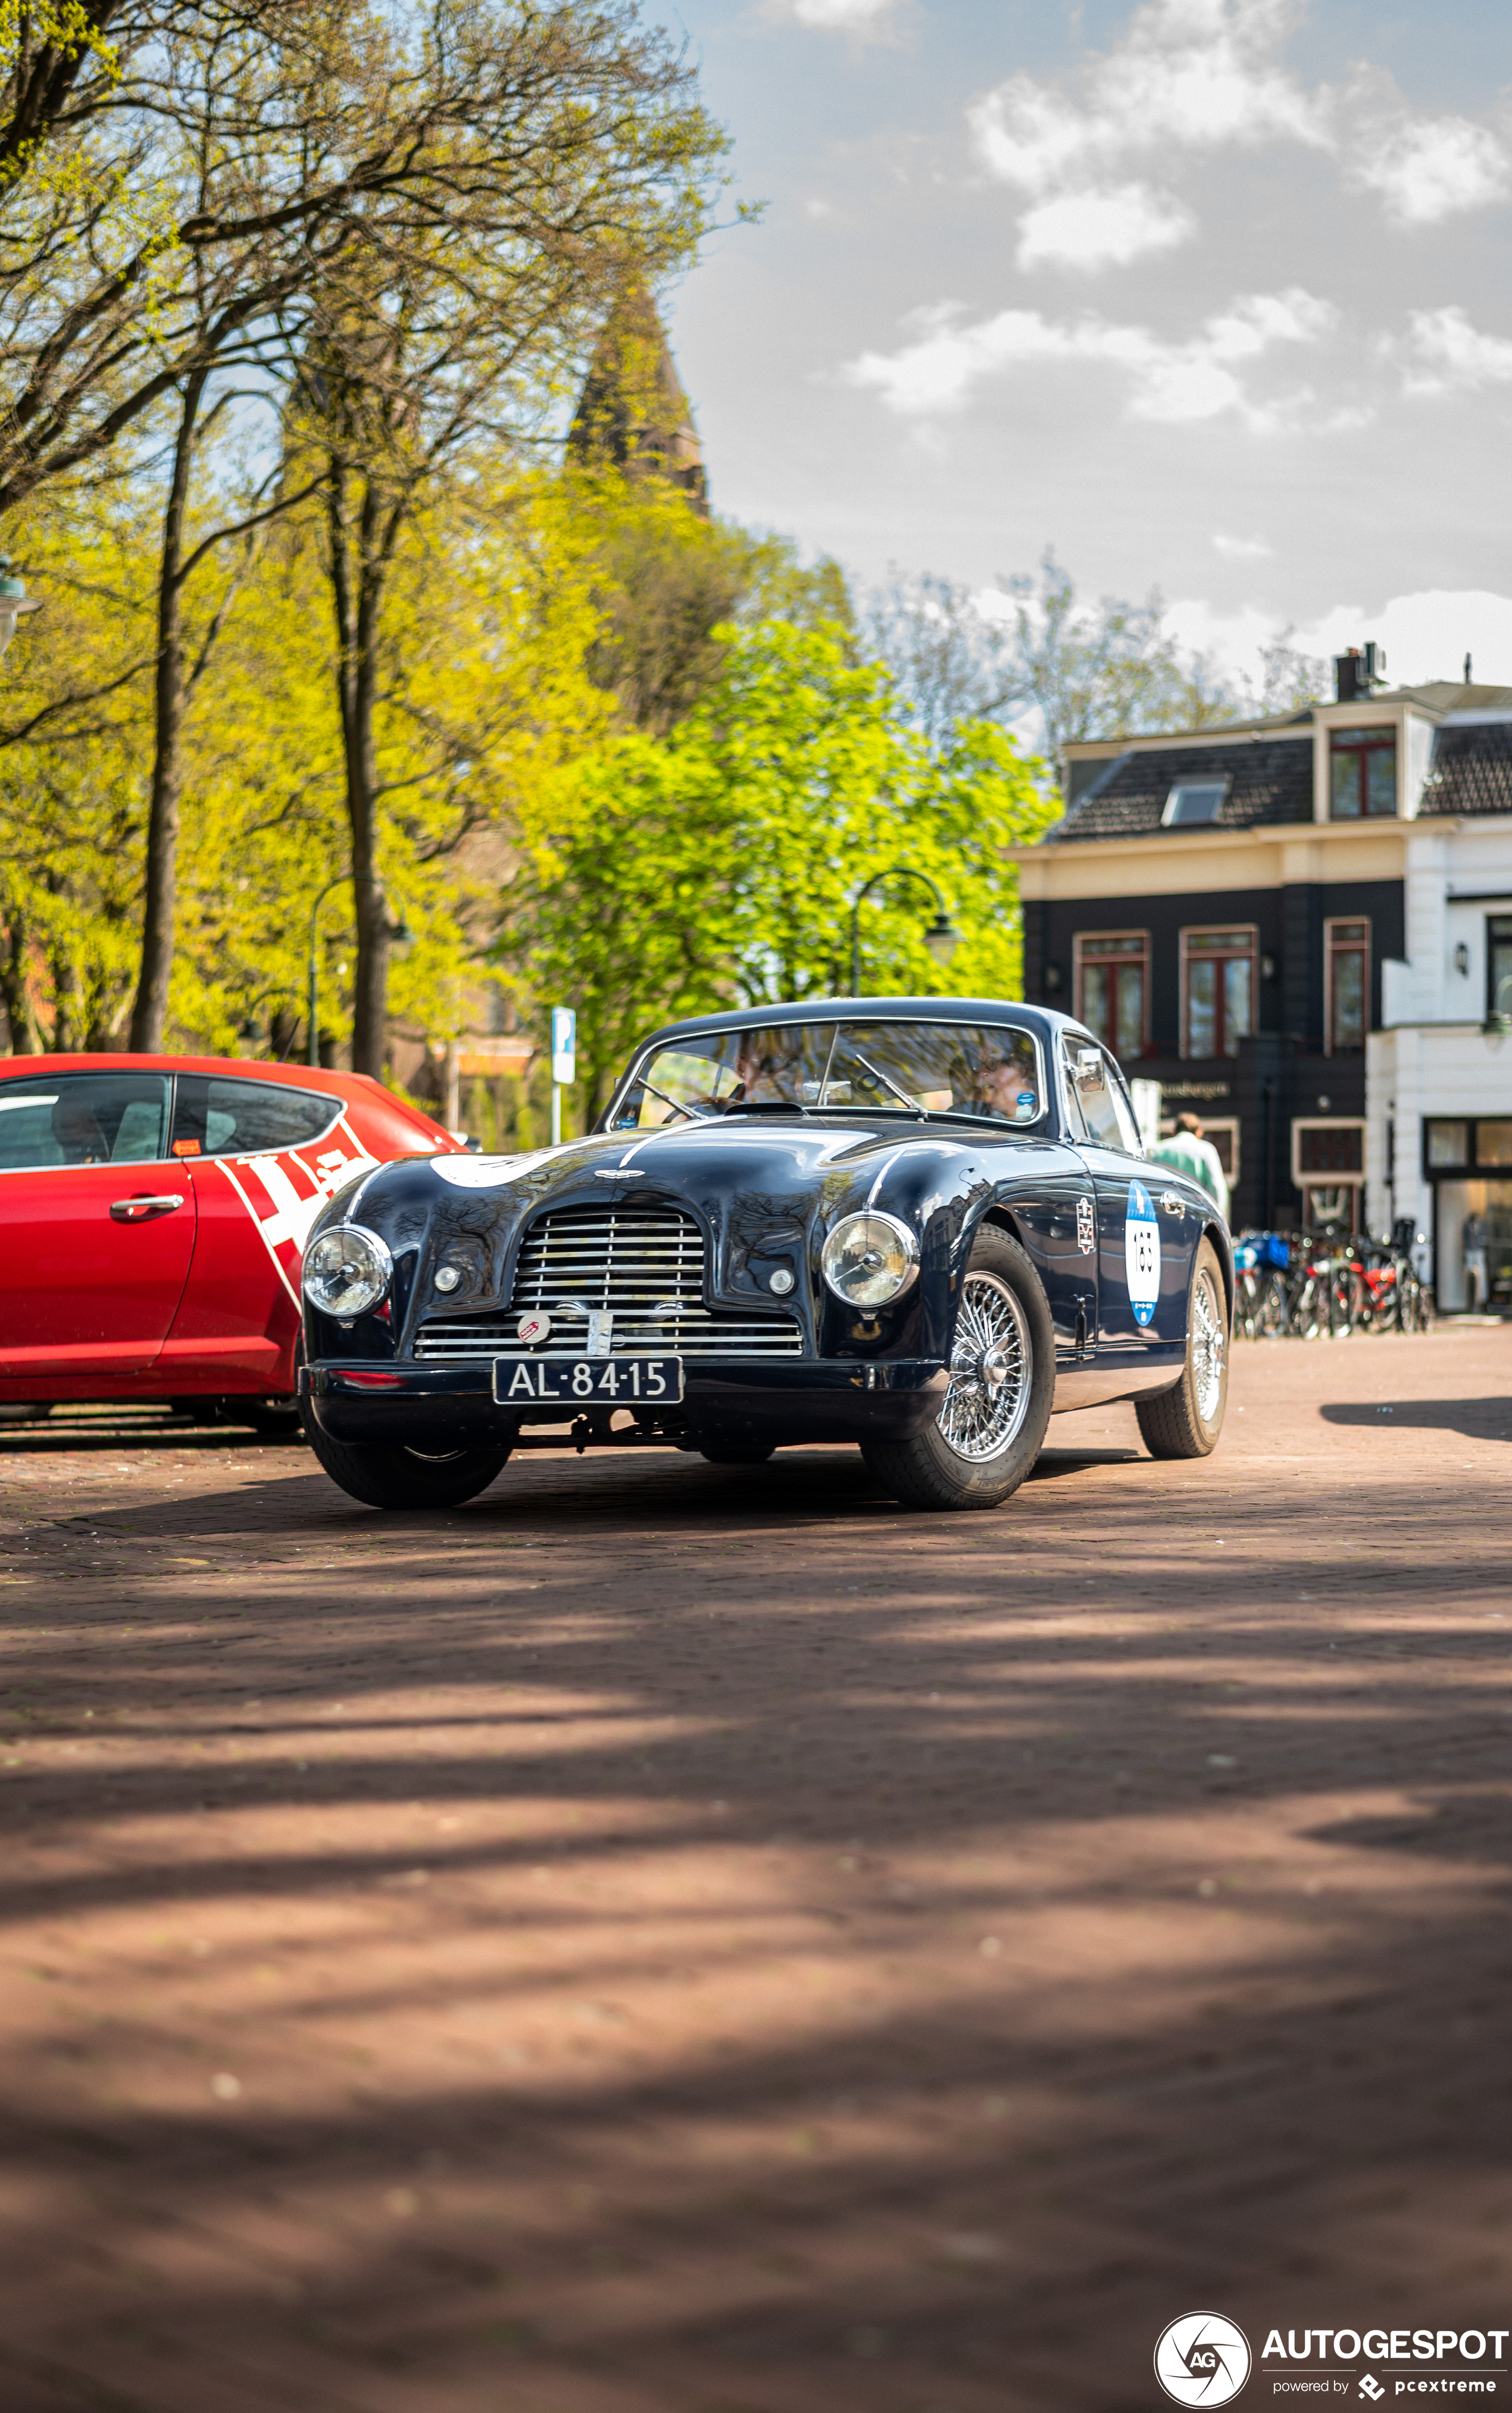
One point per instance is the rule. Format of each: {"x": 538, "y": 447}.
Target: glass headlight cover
{"x": 869, "y": 1259}
{"x": 346, "y": 1271}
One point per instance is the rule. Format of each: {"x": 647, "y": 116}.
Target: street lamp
{"x": 14, "y": 601}
{"x": 401, "y": 938}
{"x": 941, "y": 938}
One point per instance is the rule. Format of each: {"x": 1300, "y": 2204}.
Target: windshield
{"x": 990, "y": 1071}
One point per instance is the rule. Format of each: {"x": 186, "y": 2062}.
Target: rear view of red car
{"x": 152, "y": 1214}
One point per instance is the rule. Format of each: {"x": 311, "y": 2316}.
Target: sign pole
{"x": 563, "y": 1063}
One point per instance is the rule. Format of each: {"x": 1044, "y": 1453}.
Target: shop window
{"x": 1499, "y": 964}
{"x": 1329, "y": 1148}
{"x": 1328, "y": 1168}
{"x": 1448, "y": 1146}
{"x": 1113, "y": 989}
{"x": 1217, "y": 990}
{"x": 1362, "y": 773}
{"x": 1347, "y": 949}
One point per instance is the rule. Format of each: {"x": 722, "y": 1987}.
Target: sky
{"x": 1207, "y": 295}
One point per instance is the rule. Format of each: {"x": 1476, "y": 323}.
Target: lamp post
{"x": 14, "y": 601}
{"x": 941, "y": 938}
{"x": 401, "y": 938}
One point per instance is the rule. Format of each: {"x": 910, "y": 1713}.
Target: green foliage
{"x": 670, "y": 584}
{"x": 717, "y": 866}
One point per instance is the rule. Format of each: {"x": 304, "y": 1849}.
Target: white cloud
{"x": 1198, "y": 74}
{"x": 1435, "y": 169}
{"x": 1175, "y": 382}
{"x": 1242, "y": 548}
{"x": 1188, "y": 76}
{"x": 1448, "y": 355}
{"x": 837, "y": 16}
{"x": 1425, "y": 635}
{"x": 1102, "y": 228}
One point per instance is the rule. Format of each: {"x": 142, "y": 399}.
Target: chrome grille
{"x": 646, "y": 1267}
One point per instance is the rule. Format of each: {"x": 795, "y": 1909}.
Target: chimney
{"x": 1357, "y": 673}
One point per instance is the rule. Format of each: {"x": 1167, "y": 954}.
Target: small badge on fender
{"x": 532, "y": 1328}
{"x": 1085, "y": 1229}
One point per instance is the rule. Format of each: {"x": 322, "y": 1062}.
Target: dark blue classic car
{"x": 918, "y": 1224}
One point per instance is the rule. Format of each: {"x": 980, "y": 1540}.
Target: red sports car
{"x": 152, "y": 1210}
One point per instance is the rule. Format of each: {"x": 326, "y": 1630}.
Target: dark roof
{"x": 1472, "y": 770}
{"x": 1271, "y": 781}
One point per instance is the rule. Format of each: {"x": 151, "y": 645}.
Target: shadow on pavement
{"x": 596, "y": 1910}
{"x": 1477, "y": 1419}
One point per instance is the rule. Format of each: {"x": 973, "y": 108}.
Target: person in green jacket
{"x": 1191, "y": 1154}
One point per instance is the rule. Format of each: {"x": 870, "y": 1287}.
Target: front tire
{"x": 403, "y": 1479}
{"x": 991, "y": 1430}
{"x": 1186, "y": 1422}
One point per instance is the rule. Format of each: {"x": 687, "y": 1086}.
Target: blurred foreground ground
{"x": 676, "y": 1940}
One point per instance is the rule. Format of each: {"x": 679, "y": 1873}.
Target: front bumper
{"x": 403, "y": 1402}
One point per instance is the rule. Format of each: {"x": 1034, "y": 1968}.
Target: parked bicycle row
{"x": 1311, "y": 1285}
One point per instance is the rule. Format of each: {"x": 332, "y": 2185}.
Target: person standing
{"x": 1473, "y": 1238}
{"x": 1197, "y": 1157}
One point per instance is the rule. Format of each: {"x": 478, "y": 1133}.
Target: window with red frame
{"x": 1218, "y": 982}
{"x": 1347, "y": 951}
{"x": 1113, "y": 989}
{"x": 1362, "y": 773}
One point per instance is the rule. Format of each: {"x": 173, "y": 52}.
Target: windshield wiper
{"x": 677, "y": 1104}
{"x": 878, "y": 1074}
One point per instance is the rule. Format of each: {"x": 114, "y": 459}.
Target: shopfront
{"x": 1467, "y": 1160}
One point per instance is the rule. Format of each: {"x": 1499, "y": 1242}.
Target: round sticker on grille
{"x": 1141, "y": 1253}
{"x": 532, "y": 1328}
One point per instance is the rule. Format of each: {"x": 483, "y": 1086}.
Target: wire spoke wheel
{"x": 1208, "y": 1343}
{"x": 991, "y": 1371}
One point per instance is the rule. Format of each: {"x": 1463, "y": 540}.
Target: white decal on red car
{"x": 282, "y": 1206}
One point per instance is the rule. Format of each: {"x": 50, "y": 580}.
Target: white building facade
{"x": 1302, "y": 928}
{"x": 1438, "y": 1087}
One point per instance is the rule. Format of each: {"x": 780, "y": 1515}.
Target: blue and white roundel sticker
{"x": 1142, "y": 1253}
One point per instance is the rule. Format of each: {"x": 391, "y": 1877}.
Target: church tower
{"x": 633, "y": 411}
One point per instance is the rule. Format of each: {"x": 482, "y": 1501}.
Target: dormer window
{"x": 1362, "y": 773}
{"x": 1193, "y": 802}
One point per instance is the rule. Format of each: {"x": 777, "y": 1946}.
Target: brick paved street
{"x": 675, "y": 1940}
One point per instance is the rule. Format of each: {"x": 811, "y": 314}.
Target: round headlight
{"x": 869, "y": 1259}
{"x": 346, "y": 1271}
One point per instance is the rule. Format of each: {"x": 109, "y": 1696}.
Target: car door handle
{"x": 143, "y": 1210}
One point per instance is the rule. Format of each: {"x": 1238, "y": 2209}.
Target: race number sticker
{"x": 1142, "y": 1253}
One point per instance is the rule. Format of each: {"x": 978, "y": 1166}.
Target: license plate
{"x": 589, "y": 1382}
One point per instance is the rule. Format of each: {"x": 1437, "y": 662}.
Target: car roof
{"x": 1043, "y": 1020}
{"x": 351, "y": 1086}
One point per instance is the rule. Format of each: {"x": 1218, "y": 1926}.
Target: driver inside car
{"x": 77, "y": 1130}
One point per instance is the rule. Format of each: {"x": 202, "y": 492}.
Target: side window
{"x": 1099, "y": 1093}
{"x": 84, "y": 1118}
{"x": 220, "y": 1117}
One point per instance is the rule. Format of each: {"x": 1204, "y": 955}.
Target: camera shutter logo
{"x": 1202, "y": 2359}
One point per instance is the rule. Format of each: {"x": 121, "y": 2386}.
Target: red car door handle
{"x": 142, "y": 1210}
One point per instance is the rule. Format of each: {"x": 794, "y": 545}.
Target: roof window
{"x": 1192, "y": 802}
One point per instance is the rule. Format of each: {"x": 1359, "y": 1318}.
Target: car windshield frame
{"x": 812, "y": 1070}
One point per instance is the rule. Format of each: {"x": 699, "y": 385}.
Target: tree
{"x": 672, "y": 585}
{"x": 584, "y": 157}
{"x": 718, "y": 865}
{"x": 1030, "y": 652}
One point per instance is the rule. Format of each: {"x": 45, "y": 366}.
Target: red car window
{"x": 213, "y": 1117}
{"x": 84, "y": 1118}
